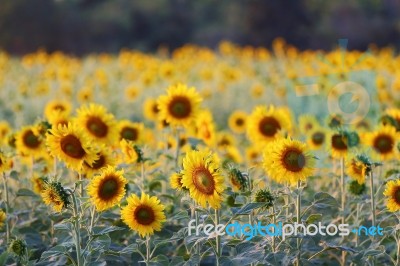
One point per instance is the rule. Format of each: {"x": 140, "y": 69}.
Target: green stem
{"x": 371, "y": 180}
{"x": 298, "y": 214}
{"x": 7, "y": 207}
{"x": 217, "y": 239}
{"x": 148, "y": 255}
{"x": 343, "y": 201}
{"x": 142, "y": 176}
{"x": 77, "y": 230}
{"x": 274, "y": 222}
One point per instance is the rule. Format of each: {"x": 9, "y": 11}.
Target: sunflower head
{"x": 5, "y": 163}
{"x": 356, "y": 188}
{"x": 107, "y": 190}
{"x": 358, "y": 167}
{"x": 316, "y": 138}
{"x": 392, "y": 193}
{"x": 55, "y": 195}
{"x": 3, "y": 217}
{"x": 150, "y": 109}
{"x": 104, "y": 159}
{"x": 130, "y": 131}
{"x": 143, "y": 215}
{"x": 176, "y": 182}
{"x": 18, "y": 247}
{"x": 132, "y": 153}
{"x": 335, "y": 121}
{"x": 39, "y": 184}
{"x": 237, "y": 122}
{"x": 238, "y": 180}
{"x": 264, "y": 196}
{"x": 307, "y": 123}
{"x": 383, "y": 142}
{"x": 29, "y": 141}
{"x": 55, "y": 107}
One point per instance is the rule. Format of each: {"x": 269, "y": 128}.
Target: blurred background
{"x": 86, "y": 26}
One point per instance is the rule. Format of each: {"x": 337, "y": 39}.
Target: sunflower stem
{"x": 92, "y": 216}
{"x": 343, "y": 201}
{"x": 298, "y": 213}
{"x": 371, "y": 180}
{"x": 196, "y": 214}
{"x": 274, "y": 222}
{"x": 217, "y": 239}
{"x": 142, "y": 175}
{"x": 77, "y": 229}
{"x": 357, "y": 217}
{"x": 6, "y": 199}
{"x": 148, "y": 256}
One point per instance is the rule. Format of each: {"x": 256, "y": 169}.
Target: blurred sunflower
{"x": 29, "y": 142}
{"x": 129, "y": 152}
{"x": 57, "y": 107}
{"x": 175, "y": 181}
{"x": 237, "y": 122}
{"x": 253, "y": 154}
{"x": 180, "y": 106}
{"x": 316, "y": 138}
{"x": 3, "y": 217}
{"x": 38, "y": 184}
{"x": 104, "y": 159}
{"x": 265, "y": 124}
{"x": 59, "y": 119}
{"x": 98, "y": 123}
{"x": 395, "y": 114}
{"x": 54, "y": 194}
{"x": 383, "y": 142}
{"x": 287, "y": 160}
{"x": 107, "y": 190}
{"x": 392, "y": 192}
{"x": 357, "y": 170}
{"x": 5, "y": 130}
{"x": 202, "y": 176}
{"x": 5, "y": 163}
{"x": 307, "y": 123}
{"x": 130, "y": 131}
{"x": 144, "y": 215}
{"x": 205, "y": 127}
{"x": 70, "y": 145}
{"x": 338, "y": 145}
{"x": 150, "y": 109}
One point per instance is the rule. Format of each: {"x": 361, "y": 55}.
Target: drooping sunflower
{"x": 288, "y": 161}
{"x": 150, "y": 109}
{"x": 70, "y": 145}
{"x": 38, "y": 184}
{"x": 265, "y": 124}
{"x": 392, "y": 192}
{"x": 237, "y": 122}
{"x": 307, "y": 123}
{"x": 130, "y": 131}
{"x": 175, "y": 181}
{"x": 144, "y": 215}
{"x": 104, "y": 159}
{"x": 29, "y": 142}
{"x": 57, "y": 107}
{"x": 180, "y": 106}
{"x": 202, "y": 176}
{"x": 98, "y": 123}
{"x": 54, "y": 194}
{"x": 317, "y": 138}
{"x": 383, "y": 142}
{"x": 107, "y": 190}
{"x": 357, "y": 169}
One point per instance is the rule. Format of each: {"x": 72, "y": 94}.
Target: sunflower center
{"x": 309, "y": 126}
{"x": 204, "y": 181}
{"x": 396, "y": 195}
{"x": 357, "y": 168}
{"x": 97, "y": 127}
{"x": 144, "y": 215}
{"x": 72, "y": 146}
{"x": 338, "y": 142}
{"x": 318, "y": 138}
{"x": 154, "y": 108}
{"x": 269, "y": 126}
{"x": 129, "y": 133}
{"x": 180, "y": 107}
{"x": 99, "y": 163}
{"x": 383, "y": 144}
{"x": 30, "y": 140}
{"x": 108, "y": 188}
{"x": 59, "y": 107}
{"x": 239, "y": 121}
{"x": 294, "y": 160}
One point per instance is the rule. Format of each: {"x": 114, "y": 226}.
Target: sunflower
{"x": 287, "y": 160}
{"x": 176, "y": 181}
{"x": 307, "y": 123}
{"x": 202, "y": 176}
{"x": 341, "y": 142}
{"x": 3, "y": 217}
{"x": 38, "y": 184}
{"x": 150, "y": 109}
{"x": 317, "y": 138}
{"x": 55, "y": 195}
{"x": 253, "y": 154}
{"x": 57, "y": 107}
{"x": 237, "y": 122}
{"x": 59, "y": 119}
{"x": 104, "y": 159}
{"x": 144, "y": 215}
{"x": 265, "y": 124}
{"x": 224, "y": 139}
{"x": 205, "y": 127}
{"x": 107, "y": 190}
{"x": 395, "y": 114}
{"x": 5, "y": 163}
{"x": 180, "y": 106}
{"x": 130, "y": 153}
{"x": 97, "y": 123}
{"x": 130, "y": 131}
{"x": 5, "y": 130}
{"x": 335, "y": 121}
{"x": 70, "y": 145}
{"x": 392, "y": 192}
{"x": 29, "y": 142}
{"x": 357, "y": 170}
{"x": 383, "y": 142}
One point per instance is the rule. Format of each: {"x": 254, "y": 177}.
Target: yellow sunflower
{"x": 307, "y": 123}
{"x": 253, "y": 154}
{"x": 130, "y": 131}
{"x": 392, "y": 192}
{"x": 3, "y": 217}
{"x": 29, "y": 142}
{"x": 205, "y": 127}
{"x": 395, "y": 114}
{"x": 317, "y": 137}
{"x": 338, "y": 145}
{"x": 265, "y": 124}
{"x": 130, "y": 154}
{"x": 5, "y": 163}
{"x": 287, "y": 160}
{"x": 202, "y": 176}
{"x": 38, "y": 184}
{"x": 107, "y": 190}
{"x": 150, "y": 109}
{"x": 225, "y": 139}
{"x": 59, "y": 119}
{"x": 176, "y": 181}
{"x": 237, "y": 122}
{"x": 144, "y": 215}
{"x": 98, "y": 123}
{"x": 383, "y": 142}
{"x": 70, "y": 145}
{"x": 5, "y": 130}
{"x": 56, "y": 107}
{"x": 356, "y": 170}
{"x": 104, "y": 159}
{"x": 180, "y": 106}
{"x": 53, "y": 194}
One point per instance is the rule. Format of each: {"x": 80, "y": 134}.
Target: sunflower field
{"x": 141, "y": 159}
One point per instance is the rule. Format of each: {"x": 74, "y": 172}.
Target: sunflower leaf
{"x": 23, "y": 192}
{"x": 102, "y": 231}
{"x": 247, "y": 208}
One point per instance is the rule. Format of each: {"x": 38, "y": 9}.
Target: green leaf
{"x": 102, "y": 231}
{"x": 3, "y": 258}
{"x": 247, "y": 208}
{"x": 23, "y": 192}
{"x": 53, "y": 252}
{"x": 63, "y": 227}
{"x": 129, "y": 249}
{"x": 313, "y": 218}
{"x": 160, "y": 260}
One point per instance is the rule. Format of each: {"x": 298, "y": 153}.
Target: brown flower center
{"x": 30, "y": 140}
{"x": 309, "y": 126}
{"x": 203, "y": 181}
{"x": 144, "y": 215}
{"x": 59, "y": 107}
{"x": 108, "y": 188}
{"x": 338, "y": 142}
{"x": 72, "y": 146}
{"x": 129, "y": 133}
{"x": 396, "y": 195}
{"x": 97, "y": 127}
{"x": 293, "y": 160}
{"x": 318, "y": 138}
{"x": 239, "y": 122}
{"x": 180, "y": 107}
{"x": 154, "y": 108}
{"x": 357, "y": 168}
{"x": 383, "y": 144}
{"x": 269, "y": 126}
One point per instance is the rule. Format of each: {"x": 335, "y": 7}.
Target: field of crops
{"x": 135, "y": 159}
